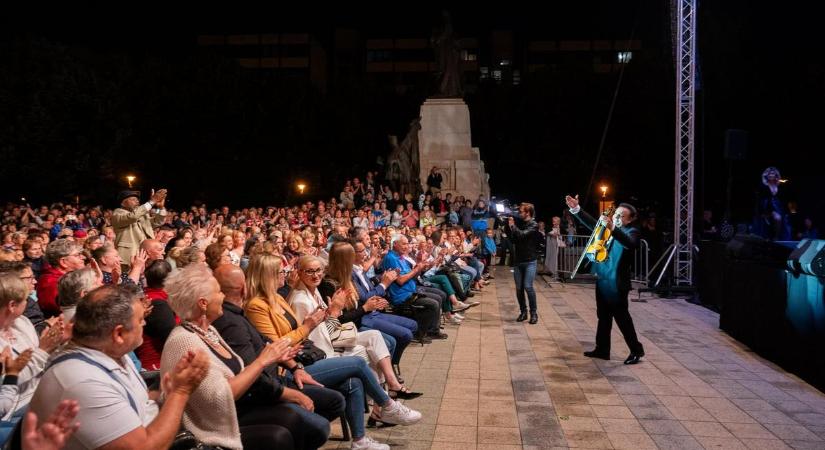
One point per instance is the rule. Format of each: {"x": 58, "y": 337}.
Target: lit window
{"x": 497, "y": 75}
{"x": 624, "y": 57}
{"x": 467, "y": 55}
{"x": 516, "y": 77}
{"x": 484, "y": 73}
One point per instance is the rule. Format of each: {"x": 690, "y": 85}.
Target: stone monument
{"x": 441, "y": 136}
{"x": 445, "y": 143}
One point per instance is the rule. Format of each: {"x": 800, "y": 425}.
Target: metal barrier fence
{"x": 568, "y": 256}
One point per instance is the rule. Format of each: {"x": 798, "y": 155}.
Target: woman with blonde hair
{"x": 308, "y": 238}
{"x": 349, "y": 375}
{"x": 238, "y": 245}
{"x": 294, "y": 246}
{"x": 365, "y": 302}
{"x": 305, "y": 298}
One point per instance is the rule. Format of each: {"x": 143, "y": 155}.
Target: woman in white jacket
{"x": 17, "y": 333}
{"x": 305, "y": 299}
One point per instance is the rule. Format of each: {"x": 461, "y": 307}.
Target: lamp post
{"x": 604, "y": 203}
{"x": 130, "y": 179}
{"x": 301, "y": 187}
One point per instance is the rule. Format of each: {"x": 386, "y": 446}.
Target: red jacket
{"x": 47, "y": 291}
{"x": 158, "y": 326}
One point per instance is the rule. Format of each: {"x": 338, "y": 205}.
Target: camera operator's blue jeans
{"x": 524, "y": 274}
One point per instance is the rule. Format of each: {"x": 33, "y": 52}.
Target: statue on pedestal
{"x": 402, "y": 171}
{"x": 447, "y": 57}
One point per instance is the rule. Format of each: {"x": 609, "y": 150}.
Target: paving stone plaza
{"x": 499, "y": 384}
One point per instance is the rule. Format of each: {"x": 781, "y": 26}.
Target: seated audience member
{"x": 316, "y": 404}
{"x": 365, "y": 307}
{"x": 404, "y": 289}
{"x": 115, "y": 409}
{"x": 216, "y": 254}
{"x": 73, "y": 286}
{"x": 33, "y": 251}
{"x": 219, "y": 412}
{"x": 306, "y": 298}
{"x": 108, "y": 259}
{"x": 189, "y": 255}
{"x": 9, "y": 391}
{"x": 18, "y": 334}
{"x": 349, "y": 375}
{"x": 161, "y": 320}
{"x": 25, "y": 273}
{"x": 154, "y": 249}
{"x": 63, "y": 257}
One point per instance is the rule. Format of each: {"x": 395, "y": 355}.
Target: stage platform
{"x": 499, "y": 384}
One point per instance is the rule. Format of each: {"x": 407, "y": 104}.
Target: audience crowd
{"x": 144, "y": 327}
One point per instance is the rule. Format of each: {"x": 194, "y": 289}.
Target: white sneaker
{"x": 367, "y": 443}
{"x": 459, "y": 315}
{"x": 399, "y": 414}
{"x": 454, "y": 320}
{"x": 460, "y": 306}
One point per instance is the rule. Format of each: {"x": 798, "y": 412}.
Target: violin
{"x": 596, "y": 248}
{"x": 596, "y": 251}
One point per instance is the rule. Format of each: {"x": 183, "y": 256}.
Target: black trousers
{"x": 426, "y": 315}
{"x": 267, "y": 427}
{"x": 608, "y": 309}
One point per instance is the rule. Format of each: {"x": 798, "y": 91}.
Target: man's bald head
{"x": 232, "y": 282}
{"x": 154, "y": 248}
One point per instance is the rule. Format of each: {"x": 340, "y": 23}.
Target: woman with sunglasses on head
{"x": 305, "y": 298}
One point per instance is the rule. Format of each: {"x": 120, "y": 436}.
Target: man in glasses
{"x": 64, "y": 256}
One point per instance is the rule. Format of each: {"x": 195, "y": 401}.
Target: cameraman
{"x": 526, "y": 242}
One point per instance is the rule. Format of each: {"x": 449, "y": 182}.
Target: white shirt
{"x": 105, "y": 409}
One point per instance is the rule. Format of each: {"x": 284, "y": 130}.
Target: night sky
{"x": 90, "y": 93}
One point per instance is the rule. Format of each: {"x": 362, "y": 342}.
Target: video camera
{"x": 502, "y": 210}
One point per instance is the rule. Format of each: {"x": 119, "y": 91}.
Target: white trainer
{"x": 399, "y": 414}
{"x": 368, "y": 443}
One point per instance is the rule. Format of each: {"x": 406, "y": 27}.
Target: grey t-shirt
{"x": 105, "y": 411}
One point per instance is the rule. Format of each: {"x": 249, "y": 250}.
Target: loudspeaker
{"x": 808, "y": 257}
{"x": 736, "y": 144}
{"x": 751, "y": 247}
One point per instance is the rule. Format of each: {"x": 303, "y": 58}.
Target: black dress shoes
{"x": 522, "y": 316}
{"x": 534, "y": 318}
{"x": 437, "y": 335}
{"x": 597, "y": 354}
{"x": 634, "y": 358}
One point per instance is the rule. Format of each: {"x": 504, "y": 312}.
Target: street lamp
{"x": 130, "y": 179}
{"x": 301, "y": 187}
{"x": 604, "y": 204}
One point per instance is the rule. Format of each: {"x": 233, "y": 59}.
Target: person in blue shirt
{"x": 404, "y": 289}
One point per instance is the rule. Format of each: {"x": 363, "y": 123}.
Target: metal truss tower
{"x": 685, "y": 108}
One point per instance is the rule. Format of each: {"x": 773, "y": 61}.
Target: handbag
{"x": 342, "y": 335}
{"x": 309, "y": 353}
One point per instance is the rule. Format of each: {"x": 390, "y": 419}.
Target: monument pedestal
{"x": 444, "y": 141}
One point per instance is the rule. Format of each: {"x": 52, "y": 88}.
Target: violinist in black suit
{"x": 613, "y": 279}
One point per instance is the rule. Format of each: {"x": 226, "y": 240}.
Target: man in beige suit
{"x": 133, "y": 222}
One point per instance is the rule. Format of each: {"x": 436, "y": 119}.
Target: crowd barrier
{"x": 574, "y": 245}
